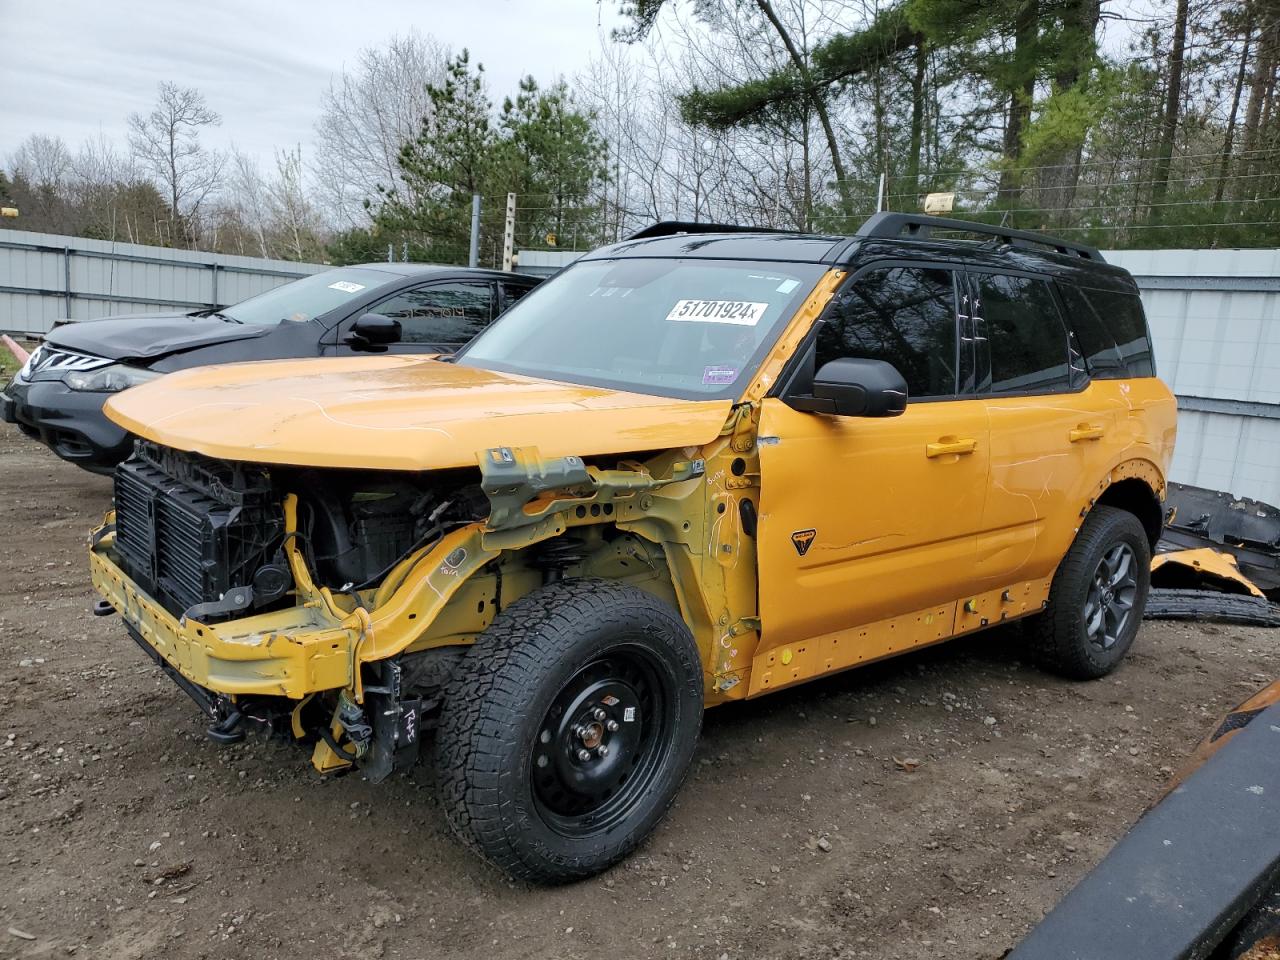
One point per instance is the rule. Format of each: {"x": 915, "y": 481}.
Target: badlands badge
{"x": 803, "y": 539}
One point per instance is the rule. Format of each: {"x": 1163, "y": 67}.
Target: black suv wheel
{"x": 569, "y": 729}
{"x": 1097, "y": 599}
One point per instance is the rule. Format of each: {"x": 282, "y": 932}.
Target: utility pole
{"x": 473, "y": 256}
{"x": 509, "y": 234}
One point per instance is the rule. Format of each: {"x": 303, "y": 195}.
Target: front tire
{"x": 1097, "y": 598}
{"x": 569, "y": 729}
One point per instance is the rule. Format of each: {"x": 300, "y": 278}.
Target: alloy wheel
{"x": 1112, "y": 593}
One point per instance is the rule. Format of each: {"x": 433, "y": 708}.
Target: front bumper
{"x": 312, "y": 646}
{"x": 71, "y": 423}
{"x": 286, "y": 653}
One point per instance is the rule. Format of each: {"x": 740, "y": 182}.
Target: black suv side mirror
{"x": 852, "y": 387}
{"x": 373, "y": 331}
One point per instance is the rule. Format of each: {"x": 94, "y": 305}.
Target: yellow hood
{"x": 398, "y": 413}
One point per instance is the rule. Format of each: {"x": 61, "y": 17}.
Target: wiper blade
{"x": 225, "y": 317}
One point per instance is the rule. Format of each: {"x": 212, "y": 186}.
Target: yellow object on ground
{"x": 1206, "y": 565}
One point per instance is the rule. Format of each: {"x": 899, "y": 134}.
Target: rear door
{"x": 861, "y": 518}
{"x": 1048, "y": 427}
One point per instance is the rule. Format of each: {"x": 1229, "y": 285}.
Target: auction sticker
{"x": 719, "y": 376}
{"x": 346, "y": 286}
{"x": 743, "y": 313}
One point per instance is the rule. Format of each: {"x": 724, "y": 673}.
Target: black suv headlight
{"x": 112, "y": 379}
{"x": 24, "y": 372}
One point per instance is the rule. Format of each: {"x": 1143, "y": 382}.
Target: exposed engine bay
{"x": 205, "y": 536}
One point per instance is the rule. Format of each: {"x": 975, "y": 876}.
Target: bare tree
{"x": 294, "y": 217}
{"x": 99, "y": 164}
{"x": 167, "y": 141}
{"x": 43, "y": 161}
{"x": 368, "y": 113}
{"x": 247, "y": 198}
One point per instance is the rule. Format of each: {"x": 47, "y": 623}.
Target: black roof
{"x": 429, "y": 269}
{"x": 883, "y": 234}
{"x": 740, "y": 245}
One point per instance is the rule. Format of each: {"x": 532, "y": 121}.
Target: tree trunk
{"x": 1225, "y": 164}
{"x": 815, "y": 98}
{"x": 1058, "y": 183}
{"x": 807, "y": 206}
{"x": 1172, "y": 107}
{"x": 917, "y": 118}
{"x": 1264, "y": 70}
{"x": 1020, "y": 98}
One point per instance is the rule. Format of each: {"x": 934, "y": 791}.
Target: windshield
{"x": 694, "y": 329}
{"x": 306, "y": 298}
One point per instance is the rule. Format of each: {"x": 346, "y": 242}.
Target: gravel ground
{"x": 124, "y": 833}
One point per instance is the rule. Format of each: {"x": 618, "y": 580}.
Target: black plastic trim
{"x": 670, "y": 228}
{"x": 892, "y": 226}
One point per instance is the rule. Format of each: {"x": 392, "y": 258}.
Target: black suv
{"x": 57, "y": 396}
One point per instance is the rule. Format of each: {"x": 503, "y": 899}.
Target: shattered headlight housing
{"x": 112, "y": 379}
{"x": 33, "y": 358}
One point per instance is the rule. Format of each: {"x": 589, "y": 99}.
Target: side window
{"x": 446, "y": 313}
{"x": 511, "y": 292}
{"x": 1122, "y": 316}
{"x": 904, "y": 315}
{"x": 1096, "y": 342}
{"x": 1025, "y": 336}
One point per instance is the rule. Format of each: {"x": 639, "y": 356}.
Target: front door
{"x": 439, "y": 317}
{"x": 864, "y": 519}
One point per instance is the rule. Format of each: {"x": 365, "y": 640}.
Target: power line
{"x": 1216, "y": 155}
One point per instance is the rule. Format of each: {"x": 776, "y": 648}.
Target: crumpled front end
{"x": 333, "y": 606}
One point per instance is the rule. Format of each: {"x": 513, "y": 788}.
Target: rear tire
{"x": 1097, "y": 598}
{"x": 569, "y": 728}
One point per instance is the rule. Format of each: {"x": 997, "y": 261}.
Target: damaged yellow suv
{"x": 697, "y": 466}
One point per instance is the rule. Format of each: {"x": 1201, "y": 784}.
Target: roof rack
{"x": 889, "y": 225}
{"x": 669, "y": 228}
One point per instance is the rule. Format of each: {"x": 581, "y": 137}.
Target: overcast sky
{"x": 76, "y": 68}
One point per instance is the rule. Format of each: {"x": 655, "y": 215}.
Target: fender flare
{"x": 1123, "y": 487}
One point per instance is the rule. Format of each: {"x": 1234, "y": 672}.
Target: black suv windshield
{"x": 694, "y": 329}
{"x": 305, "y": 298}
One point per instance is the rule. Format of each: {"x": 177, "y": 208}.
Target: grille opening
{"x": 188, "y": 529}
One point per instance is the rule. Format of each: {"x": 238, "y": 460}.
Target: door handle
{"x": 950, "y": 445}
{"x": 1086, "y": 431}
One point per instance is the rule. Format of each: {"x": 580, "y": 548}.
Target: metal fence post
{"x": 473, "y": 256}
{"x": 66, "y": 279}
{"x": 509, "y": 234}
{"x": 213, "y": 269}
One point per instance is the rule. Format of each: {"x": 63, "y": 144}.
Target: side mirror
{"x": 855, "y": 388}
{"x": 373, "y": 331}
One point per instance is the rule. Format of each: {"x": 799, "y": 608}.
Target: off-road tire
{"x": 1058, "y": 637}
{"x": 497, "y": 706}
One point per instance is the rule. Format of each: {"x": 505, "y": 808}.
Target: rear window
{"x": 1025, "y": 336}
{"x": 1111, "y": 329}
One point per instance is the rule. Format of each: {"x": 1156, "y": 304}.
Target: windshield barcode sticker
{"x": 719, "y": 376}
{"x": 741, "y": 312}
{"x": 346, "y": 286}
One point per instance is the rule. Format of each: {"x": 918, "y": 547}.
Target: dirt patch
{"x": 124, "y": 833}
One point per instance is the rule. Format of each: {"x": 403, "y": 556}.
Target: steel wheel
{"x": 601, "y": 744}
{"x": 1112, "y": 594}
